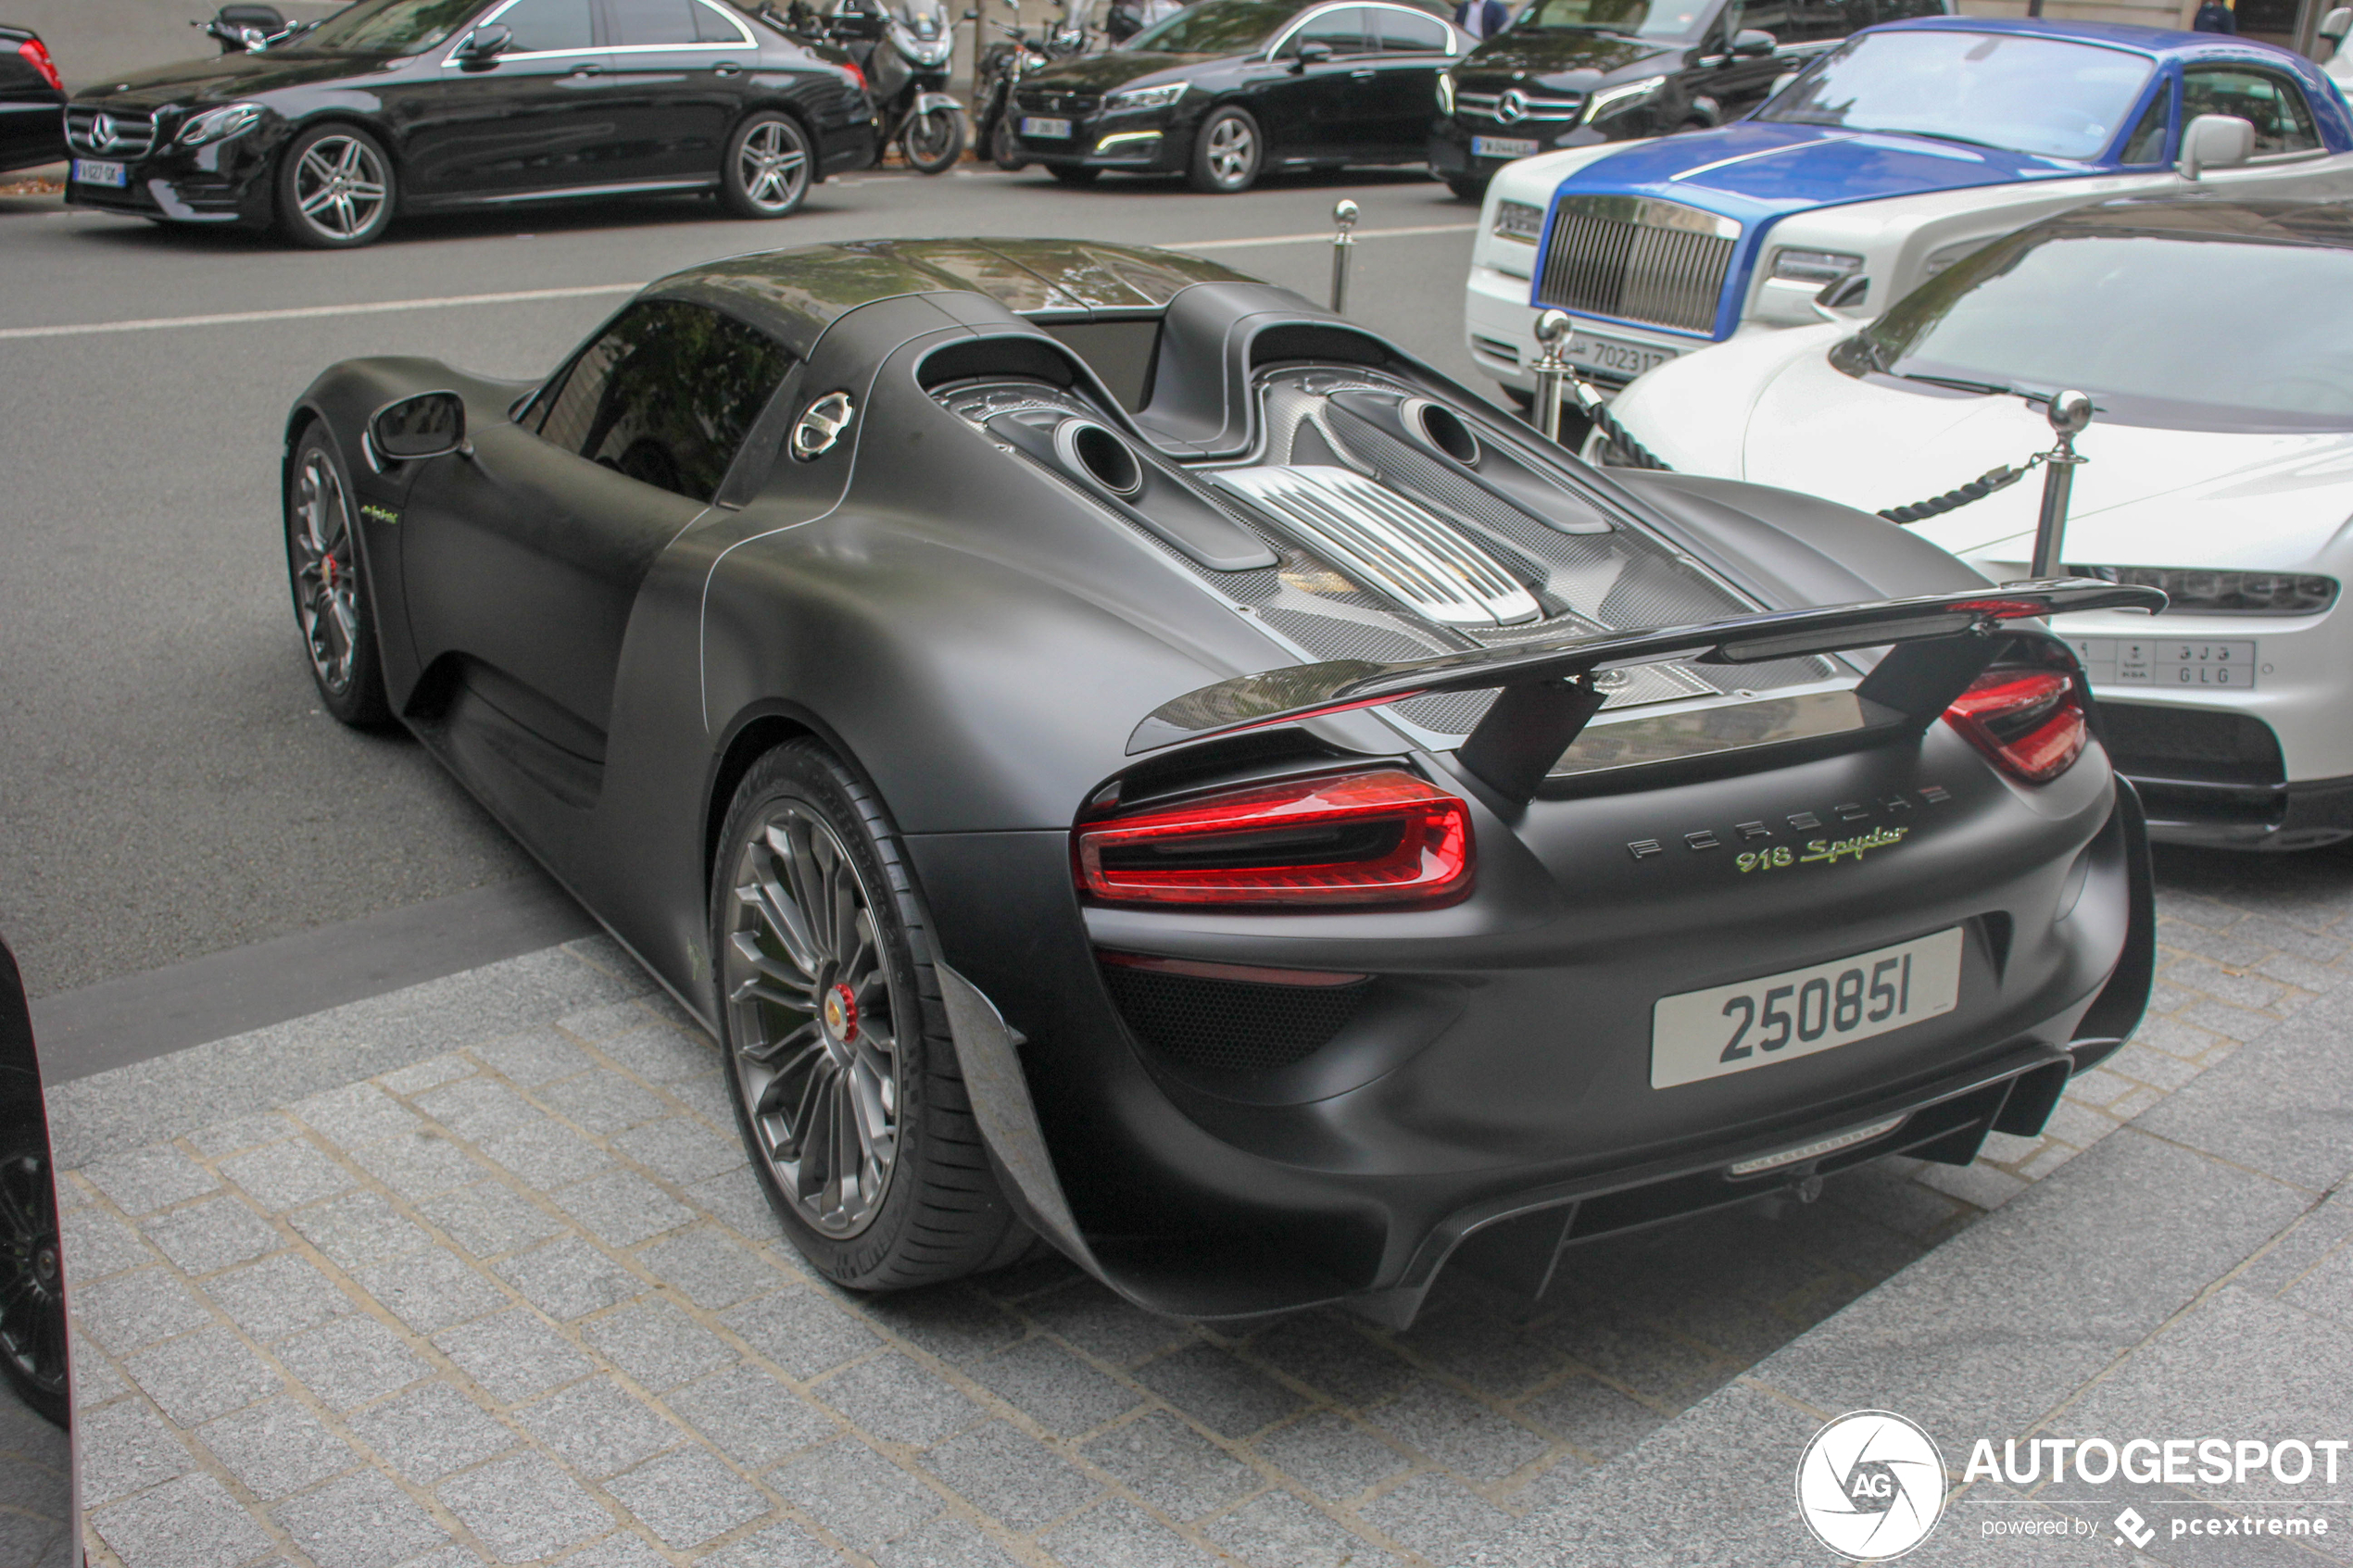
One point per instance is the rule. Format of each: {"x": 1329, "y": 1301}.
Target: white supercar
{"x": 2219, "y": 467}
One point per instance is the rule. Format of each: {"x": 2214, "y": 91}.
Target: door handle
{"x": 585, "y": 70}
{"x": 726, "y": 67}
{"x": 1361, "y": 75}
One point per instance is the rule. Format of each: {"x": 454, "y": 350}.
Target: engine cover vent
{"x": 1388, "y": 541}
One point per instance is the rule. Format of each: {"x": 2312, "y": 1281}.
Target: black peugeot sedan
{"x": 1227, "y": 89}
{"x": 1567, "y": 73}
{"x": 396, "y": 107}
{"x": 30, "y": 97}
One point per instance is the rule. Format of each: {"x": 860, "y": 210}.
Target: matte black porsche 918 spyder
{"x": 1118, "y": 752}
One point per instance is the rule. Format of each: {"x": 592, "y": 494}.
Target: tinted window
{"x": 2029, "y": 95}
{"x": 1401, "y": 34}
{"x": 397, "y": 27}
{"x": 2147, "y": 144}
{"x": 1217, "y": 27}
{"x": 548, "y": 24}
{"x": 1645, "y": 18}
{"x": 712, "y": 28}
{"x": 640, "y": 22}
{"x": 2181, "y": 330}
{"x": 1342, "y": 30}
{"x": 2273, "y": 106}
{"x": 665, "y": 394}
{"x": 1900, "y": 10}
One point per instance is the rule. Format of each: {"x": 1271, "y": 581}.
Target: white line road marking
{"x": 373, "y": 308}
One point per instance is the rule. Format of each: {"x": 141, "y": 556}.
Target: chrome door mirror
{"x": 2337, "y": 24}
{"x": 2215, "y": 141}
{"x": 1313, "y": 52}
{"x": 1749, "y": 44}
{"x": 431, "y": 424}
{"x": 486, "y": 42}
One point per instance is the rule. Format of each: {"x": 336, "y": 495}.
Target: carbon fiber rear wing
{"x": 1941, "y": 643}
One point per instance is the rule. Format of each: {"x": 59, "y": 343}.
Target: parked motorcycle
{"x": 903, "y": 53}
{"x": 1005, "y": 63}
{"x": 249, "y": 30}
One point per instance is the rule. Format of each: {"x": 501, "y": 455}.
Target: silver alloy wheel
{"x": 327, "y": 597}
{"x": 813, "y": 1018}
{"x": 340, "y": 185}
{"x": 773, "y": 165}
{"x": 1233, "y": 149}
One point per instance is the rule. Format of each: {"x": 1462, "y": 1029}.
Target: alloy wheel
{"x": 327, "y": 586}
{"x": 773, "y": 165}
{"x": 813, "y": 1019}
{"x": 1233, "y": 148}
{"x": 340, "y": 185}
{"x": 32, "y": 1315}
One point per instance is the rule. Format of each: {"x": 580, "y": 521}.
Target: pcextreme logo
{"x": 1870, "y": 1486}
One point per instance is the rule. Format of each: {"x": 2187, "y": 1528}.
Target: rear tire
{"x": 1228, "y": 153}
{"x": 765, "y": 172}
{"x": 1468, "y": 187}
{"x": 332, "y": 606}
{"x": 337, "y": 190}
{"x": 1074, "y": 174}
{"x": 1000, "y": 148}
{"x": 842, "y": 1071}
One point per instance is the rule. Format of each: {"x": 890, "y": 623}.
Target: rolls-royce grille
{"x": 1638, "y": 260}
{"x": 109, "y": 132}
{"x": 1058, "y": 102}
{"x": 1513, "y": 106}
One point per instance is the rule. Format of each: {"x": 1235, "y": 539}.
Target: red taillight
{"x": 2029, "y": 720}
{"x": 855, "y": 74}
{"x": 37, "y": 55}
{"x": 1333, "y": 841}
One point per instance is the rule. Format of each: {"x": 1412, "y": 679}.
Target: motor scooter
{"x": 1005, "y": 63}
{"x": 903, "y": 53}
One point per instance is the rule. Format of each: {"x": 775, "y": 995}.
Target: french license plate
{"x": 1615, "y": 355}
{"x": 2165, "y": 663}
{"x": 1726, "y": 1028}
{"x": 1502, "y": 147}
{"x": 1032, "y": 125}
{"x": 90, "y": 172}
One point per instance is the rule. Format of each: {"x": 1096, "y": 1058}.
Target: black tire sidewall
{"x": 802, "y": 772}
{"x": 1200, "y": 177}
{"x": 293, "y": 226}
{"x": 362, "y": 704}
{"x": 731, "y": 188}
{"x": 955, "y": 142}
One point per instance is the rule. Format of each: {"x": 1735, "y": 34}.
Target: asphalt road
{"x": 167, "y": 786}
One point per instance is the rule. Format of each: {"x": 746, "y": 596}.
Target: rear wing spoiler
{"x": 1942, "y": 642}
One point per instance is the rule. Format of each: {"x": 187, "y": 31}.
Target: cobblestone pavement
{"x": 520, "y": 1301}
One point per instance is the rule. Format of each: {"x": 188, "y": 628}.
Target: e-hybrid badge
{"x": 1733, "y": 1028}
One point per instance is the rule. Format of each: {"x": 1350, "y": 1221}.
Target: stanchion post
{"x": 2069, "y": 413}
{"x": 1343, "y": 248}
{"x": 1551, "y": 369}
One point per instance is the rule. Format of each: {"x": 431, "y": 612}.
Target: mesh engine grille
{"x": 1611, "y": 265}
{"x": 1230, "y": 1025}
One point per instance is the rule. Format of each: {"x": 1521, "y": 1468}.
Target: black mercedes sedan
{"x": 32, "y": 99}
{"x": 1227, "y": 89}
{"x": 393, "y": 106}
{"x": 1567, "y": 73}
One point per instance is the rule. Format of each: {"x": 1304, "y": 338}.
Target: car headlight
{"x": 1612, "y": 99}
{"x": 2234, "y": 593}
{"x": 1816, "y": 266}
{"x": 1147, "y": 97}
{"x": 220, "y": 125}
{"x": 1520, "y": 220}
{"x": 1445, "y": 94}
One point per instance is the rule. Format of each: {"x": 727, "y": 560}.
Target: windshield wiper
{"x": 1983, "y": 388}
{"x": 1941, "y": 136}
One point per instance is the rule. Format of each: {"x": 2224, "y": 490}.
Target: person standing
{"x": 1484, "y": 19}
{"x": 2214, "y": 15}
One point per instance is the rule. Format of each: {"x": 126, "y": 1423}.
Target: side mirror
{"x": 431, "y": 424}
{"x": 261, "y": 18}
{"x": 1843, "y": 295}
{"x": 1749, "y": 44}
{"x": 1313, "y": 52}
{"x": 486, "y": 42}
{"x": 1781, "y": 82}
{"x": 2215, "y": 141}
{"x": 2337, "y": 24}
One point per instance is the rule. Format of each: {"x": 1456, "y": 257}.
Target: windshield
{"x": 2172, "y": 331}
{"x": 2027, "y": 94}
{"x": 391, "y": 27}
{"x": 914, "y": 15}
{"x": 1217, "y": 27}
{"x": 1635, "y": 19}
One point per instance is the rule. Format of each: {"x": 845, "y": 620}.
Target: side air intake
{"x": 1388, "y": 542}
